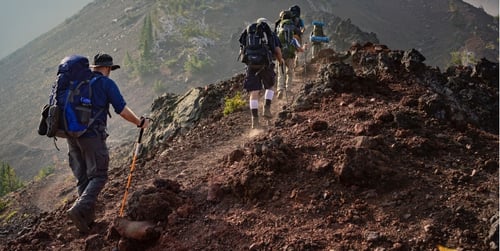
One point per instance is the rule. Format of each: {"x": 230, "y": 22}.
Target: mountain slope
{"x": 29, "y": 72}
{"x": 370, "y": 154}
{"x": 188, "y": 33}
{"x": 434, "y": 28}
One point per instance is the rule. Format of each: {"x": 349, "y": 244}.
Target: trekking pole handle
{"x": 142, "y": 120}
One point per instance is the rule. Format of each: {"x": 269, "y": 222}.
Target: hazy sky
{"x": 21, "y": 21}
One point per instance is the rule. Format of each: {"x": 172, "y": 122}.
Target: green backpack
{"x": 285, "y": 33}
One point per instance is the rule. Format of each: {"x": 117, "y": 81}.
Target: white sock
{"x": 254, "y": 104}
{"x": 269, "y": 94}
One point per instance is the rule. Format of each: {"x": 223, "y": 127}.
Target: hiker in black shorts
{"x": 263, "y": 76}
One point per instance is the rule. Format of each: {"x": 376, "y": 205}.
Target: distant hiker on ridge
{"x": 317, "y": 38}
{"x": 299, "y": 27}
{"x": 286, "y": 32}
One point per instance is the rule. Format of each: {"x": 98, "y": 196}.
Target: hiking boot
{"x": 267, "y": 112}
{"x": 90, "y": 219}
{"x": 255, "y": 123}
{"x": 77, "y": 217}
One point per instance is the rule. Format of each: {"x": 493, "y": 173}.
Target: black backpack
{"x": 295, "y": 10}
{"x": 295, "y": 16}
{"x": 256, "y": 53}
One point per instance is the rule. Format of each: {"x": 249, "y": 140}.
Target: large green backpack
{"x": 285, "y": 33}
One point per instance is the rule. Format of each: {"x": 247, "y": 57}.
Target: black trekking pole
{"x": 305, "y": 61}
{"x": 132, "y": 168}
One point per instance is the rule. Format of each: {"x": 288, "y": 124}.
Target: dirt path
{"x": 54, "y": 189}
{"x": 187, "y": 169}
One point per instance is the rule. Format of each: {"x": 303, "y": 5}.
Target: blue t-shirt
{"x": 105, "y": 92}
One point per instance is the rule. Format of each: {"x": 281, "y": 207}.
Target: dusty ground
{"x": 350, "y": 162}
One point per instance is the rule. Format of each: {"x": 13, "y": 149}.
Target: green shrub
{"x": 9, "y": 216}
{"x": 465, "y": 58}
{"x": 234, "y": 104}
{"x": 490, "y": 45}
{"x": 456, "y": 58}
{"x": 8, "y": 179}
{"x": 44, "y": 172}
{"x": 171, "y": 62}
{"x": 159, "y": 87}
{"x": 196, "y": 65}
{"x": 3, "y": 204}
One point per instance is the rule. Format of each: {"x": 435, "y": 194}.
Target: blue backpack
{"x": 69, "y": 111}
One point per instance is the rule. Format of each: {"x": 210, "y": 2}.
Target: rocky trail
{"x": 379, "y": 152}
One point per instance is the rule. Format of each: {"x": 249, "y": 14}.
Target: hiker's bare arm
{"x": 302, "y": 48}
{"x": 279, "y": 56}
{"x": 130, "y": 116}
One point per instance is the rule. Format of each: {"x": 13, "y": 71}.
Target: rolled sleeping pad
{"x": 318, "y": 23}
{"x": 320, "y": 39}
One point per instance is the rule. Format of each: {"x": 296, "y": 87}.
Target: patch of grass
{"x": 10, "y": 215}
{"x": 171, "y": 62}
{"x": 64, "y": 201}
{"x": 159, "y": 87}
{"x": 44, "y": 172}
{"x": 197, "y": 65}
{"x": 490, "y": 46}
{"x": 3, "y": 204}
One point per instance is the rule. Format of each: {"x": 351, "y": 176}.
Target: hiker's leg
{"x": 281, "y": 80}
{"x": 97, "y": 160}
{"x": 297, "y": 54}
{"x": 268, "y": 79}
{"x": 267, "y": 105}
{"x": 95, "y": 157}
{"x": 315, "y": 49}
{"x": 289, "y": 73}
{"x": 77, "y": 165}
{"x": 252, "y": 83}
{"x": 254, "y": 109}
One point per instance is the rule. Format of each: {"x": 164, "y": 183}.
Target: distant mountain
{"x": 196, "y": 44}
{"x": 490, "y": 6}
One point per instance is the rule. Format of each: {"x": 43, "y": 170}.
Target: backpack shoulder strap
{"x": 266, "y": 29}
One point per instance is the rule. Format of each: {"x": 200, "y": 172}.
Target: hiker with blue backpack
{"x": 90, "y": 90}
{"x": 317, "y": 38}
{"x": 290, "y": 45}
{"x": 259, "y": 46}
